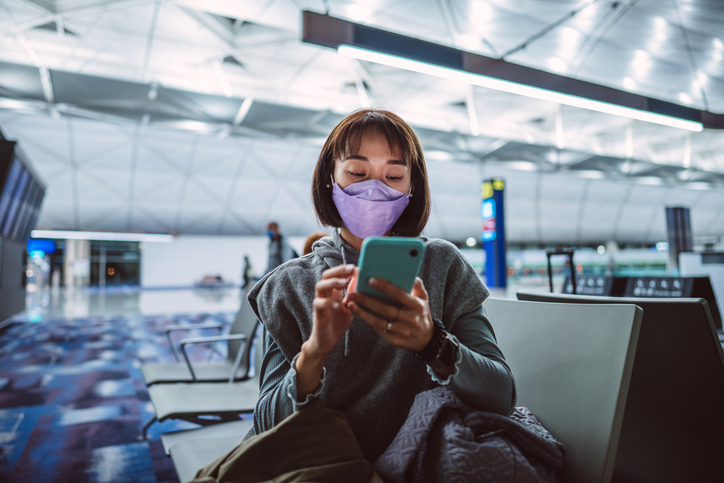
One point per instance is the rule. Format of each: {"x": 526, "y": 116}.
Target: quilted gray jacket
{"x": 445, "y": 440}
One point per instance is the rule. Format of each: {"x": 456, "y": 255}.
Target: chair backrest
{"x": 673, "y": 425}
{"x": 572, "y": 366}
{"x": 245, "y": 323}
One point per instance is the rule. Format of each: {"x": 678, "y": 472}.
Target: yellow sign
{"x": 486, "y": 190}
{"x": 489, "y": 187}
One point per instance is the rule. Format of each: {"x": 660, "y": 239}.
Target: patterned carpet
{"x": 73, "y": 401}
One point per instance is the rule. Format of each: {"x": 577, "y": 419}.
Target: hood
{"x": 335, "y": 251}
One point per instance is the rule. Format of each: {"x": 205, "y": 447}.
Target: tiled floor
{"x": 72, "y": 398}
{"x": 52, "y": 304}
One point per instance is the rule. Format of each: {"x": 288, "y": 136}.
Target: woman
{"x": 371, "y": 180}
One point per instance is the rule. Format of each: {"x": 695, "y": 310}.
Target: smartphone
{"x": 395, "y": 259}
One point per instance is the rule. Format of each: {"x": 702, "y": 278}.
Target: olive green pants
{"x": 314, "y": 444}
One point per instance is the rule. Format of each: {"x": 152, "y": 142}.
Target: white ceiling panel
{"x": 145, "y": 221}
{"x": 252, "y": 195}
{"x": 557, "y": 187}
{"x": 186, "y": 166}
{"x": 58, "y": 215}
{"x": 219, "y": 185}
{"x": 152, "y": 160}
{"x": 118, "y": 158}
{"x": 108, "y": 220}
{"x": 563, "y": 212}
{"x": 645, "y": 195}
{"x": 177, "y": 149}
{"x": 607, "y": 192}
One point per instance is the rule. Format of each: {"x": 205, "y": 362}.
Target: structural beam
{"x": 337, "y": 33}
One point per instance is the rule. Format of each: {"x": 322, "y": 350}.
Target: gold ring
{"x": 389, "y": 327}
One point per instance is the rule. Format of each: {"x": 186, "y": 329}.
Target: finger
{"x": 329, "y": 306}
{"x": 392, "y": 290}
{"x": 378, "y": 323}
{"x": 395, "y": 338}
{"x": 384, "y": 309}
{"x": 338, "y": 271}
{"x": 419, "y": 289}
{"x": 326, "y": 286}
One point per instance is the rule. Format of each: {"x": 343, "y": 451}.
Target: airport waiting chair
{"x": 234, "y": 368}
{"x": 572, "y": 365}
{"x": 572, "y": 375}
{"x": 673, "y": 426}
{"x": 192, "y": 449}
{"x": 196, "y": 402}
{"x": 191, "y": 455}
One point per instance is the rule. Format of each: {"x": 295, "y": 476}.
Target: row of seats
{"x": 625, "y": 384}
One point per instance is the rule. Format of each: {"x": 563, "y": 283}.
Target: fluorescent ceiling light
{"x": 515, "y": 88}
{"x": 101, "y": 235}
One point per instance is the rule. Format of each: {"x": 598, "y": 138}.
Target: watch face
{"x": 447, "y": 354}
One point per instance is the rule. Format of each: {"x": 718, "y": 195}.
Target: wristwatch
{"x": 448, "y": 352}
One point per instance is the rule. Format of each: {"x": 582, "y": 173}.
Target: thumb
{"x": 418, "y": 290}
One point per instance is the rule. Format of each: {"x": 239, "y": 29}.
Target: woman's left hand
{"x": 408, "y": 327}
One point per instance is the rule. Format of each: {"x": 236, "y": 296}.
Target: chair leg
{"x": 144, "y": 435}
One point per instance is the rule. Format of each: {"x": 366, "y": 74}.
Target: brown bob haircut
{"x": 345, "y": 140}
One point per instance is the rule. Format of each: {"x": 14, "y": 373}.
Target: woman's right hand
{"x": 331, "y": 317}
{"x": 331, "y": 320}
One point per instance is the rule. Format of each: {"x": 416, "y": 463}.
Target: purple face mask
{"x": 369, "y": 208}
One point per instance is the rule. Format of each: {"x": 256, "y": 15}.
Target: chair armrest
{"x": 199, "y": 340}
{"x": 174, "y": 328}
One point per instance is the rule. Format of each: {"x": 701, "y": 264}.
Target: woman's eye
{"x": 359, "y": 175}
{"x": 394, "y": 178}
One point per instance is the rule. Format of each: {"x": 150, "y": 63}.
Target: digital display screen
{"x": 13, "y": 176}
{"x": 487, "y": 210}
{"x": 21, "y": 194}
{"x": 34, "y": 211}
{"x": 26, "y": 207}
{"x": 16, "y": 199}
{"x": 46, "y": 246}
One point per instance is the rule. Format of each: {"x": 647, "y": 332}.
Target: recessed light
{"x": 557, "y": 64}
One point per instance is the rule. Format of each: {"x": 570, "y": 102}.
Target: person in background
{"x": 310, "y": 241}
{"x": 279, "y": 250}
{"x": 247, "y": 273}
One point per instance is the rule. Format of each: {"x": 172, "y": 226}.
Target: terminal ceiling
{"x": 206, "y": 116}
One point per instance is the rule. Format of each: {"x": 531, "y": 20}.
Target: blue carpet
{"x": 73, "y": 402}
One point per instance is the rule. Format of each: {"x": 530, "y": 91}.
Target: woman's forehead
{"x": 369, "y": 136}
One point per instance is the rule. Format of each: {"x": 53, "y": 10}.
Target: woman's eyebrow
{"x": 359, "y": 157}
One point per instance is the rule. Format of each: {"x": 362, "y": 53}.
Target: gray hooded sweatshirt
{"x": 369, "y": 380}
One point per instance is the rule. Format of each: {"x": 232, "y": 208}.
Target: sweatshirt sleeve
{"x": 481, "y": 377}
{"x": 278, "y": 387}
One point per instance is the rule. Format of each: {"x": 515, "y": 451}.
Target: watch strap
{"x": 432, "y": 349}
{"x": 447, "y": 355}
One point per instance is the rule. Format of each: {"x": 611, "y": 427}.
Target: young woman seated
{"x": 320, "y": 343}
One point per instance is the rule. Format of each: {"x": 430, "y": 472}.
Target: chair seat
{"x": 156, "y": 373}
{"x": 199, "y": 399}
{"x": 192, "y": 455}
{"x": 236, "y": 429}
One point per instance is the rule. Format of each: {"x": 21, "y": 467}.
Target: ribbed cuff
{"x": 292, "y": 387}
{"x": 458, "y": 358}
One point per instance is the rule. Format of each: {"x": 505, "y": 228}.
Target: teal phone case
{"x": 395, "y": 259}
